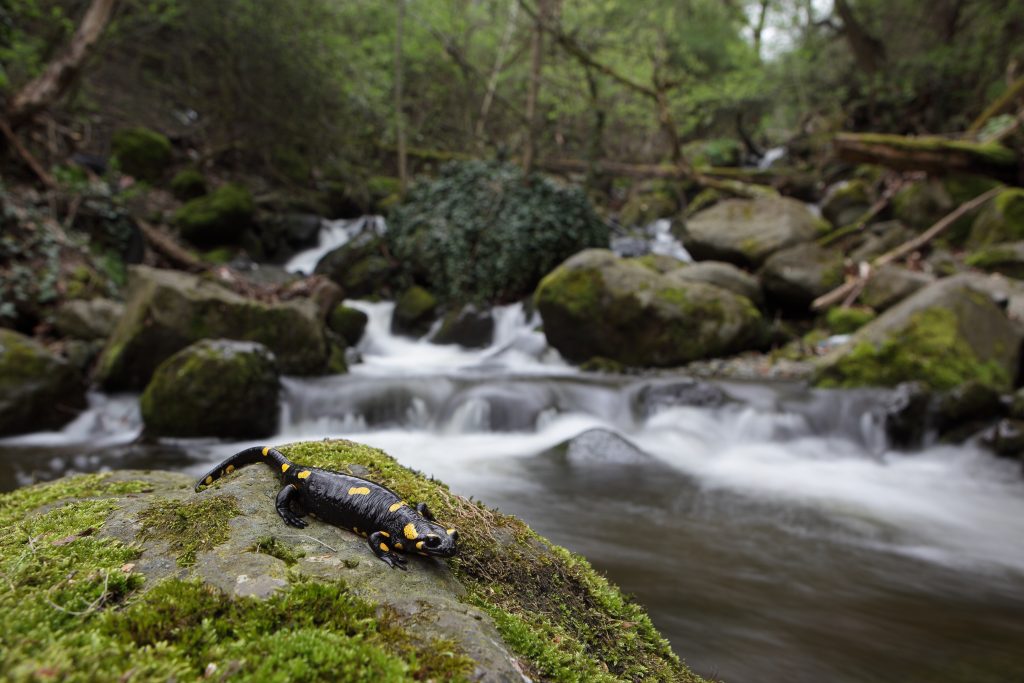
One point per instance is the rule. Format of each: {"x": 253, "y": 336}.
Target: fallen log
{"x": 934, "y": 155}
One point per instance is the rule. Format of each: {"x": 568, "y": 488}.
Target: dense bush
{"x": 480, "y": 233}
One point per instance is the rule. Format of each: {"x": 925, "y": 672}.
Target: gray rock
{"x": 686, "y": 392}
{"x": 359, "y": 266}
{"x": 796, "y": 276}
{"x": 891, "y": 284}
{"x": 748, "y": 231}
{"x": 845, "y": 202}
{"x": 88, "y": 320}
{"x": 905, "y": 414}
{"x": 920, "y": 204}
{"x": 167, "y": 310}
{"x": 720, "y": 274}
{"x": 600, "y": 446}
{"x": 880, "y": 238}
{"x": 468, "y": 326}
{"x": 1006, "y": 438}
{"x": 38, "y": 390}
{"x": 1006, "y": 258}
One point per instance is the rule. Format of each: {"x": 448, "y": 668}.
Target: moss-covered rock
{"x": 214, "y": 388}
{"x": 945, "y": 335}
{"x": 1005, "y": 258}
{"x": 720, "y": 274}
{"x": 93, "y": 319}
{"x": 153, "y": 582}
{"x": 141, "y": 152}
{"x": 891, "y": 284}
{"x": 468, "y": 326}
{"x": 167, "y": 310}
{"x": 846, "y": 320}
{"x": 1002, "y": 220}
{"x": 217, "y": 218}
{"x": 188, "y": 184}
{"x": 38, "y": 390}
{"x": 276, "y": 237}
{"x": 921, "y": 203}
{"x": 747, "y": 231}
{"x": 359, "y": 266}
{"x": 349, "y": 322}
{"x": 598, "y": 305}
{"x": 643, "y": 208}
{"x": 414, "y": 312}
{"x": 845, "y": 202}
{"x": 794, "y": 277}
{"x": 877, "y": 239}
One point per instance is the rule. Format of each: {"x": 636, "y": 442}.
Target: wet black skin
{"x": 360, "y": 505}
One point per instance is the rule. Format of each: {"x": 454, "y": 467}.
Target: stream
{"x": 766, "y": 527}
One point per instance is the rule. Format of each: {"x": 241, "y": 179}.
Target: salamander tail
{"x": 271, "y": 456}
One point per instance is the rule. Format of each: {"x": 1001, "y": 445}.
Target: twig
{"x": 170, "y": 249}
{"x": 311, "y": 538}
{"x": 26, "y": 156}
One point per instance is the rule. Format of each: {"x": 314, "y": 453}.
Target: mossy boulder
{"x": 845, "y": 202}
{"x": 846, "y": 320}
{"x": 38, "y": 390}
{"x": 599, "y": 305}
{"x": 643, "y": 208}
{"x": 946, "y": 334}
{"x": 469, "y": 326}
{"x": 92, "y": 319}
{"x": 891, "y": 284}
{"x": 745, "y": 232}
{"x": 360, "y": 266}
{"x": 155, "y": 582}
{"x": 348, "y": 322}
{"x": 921, "y": 203}
{"x": 794, "y": 277}
{"x": 141, "y": 152}
{"x": 276, "y": 237}
{"x": 217, "y": 218}
{"x": 720, "y": 274}
{"x": 415, "y": 311}
{"x": 1002, "y": 220}
{"x": 1005, "y": 258}
{"x": 188, "y": 184}
{"x": 167, "y": 310}
{"x": 215, "y": 387}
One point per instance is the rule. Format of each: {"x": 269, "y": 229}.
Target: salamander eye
{"x": 432, "y": 541}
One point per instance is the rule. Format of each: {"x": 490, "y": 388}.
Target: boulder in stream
{"x": 946, "y": 334}
{"x": 38, "y": 390}
{"x": 360, "y": 266}
{"x": 796, "y": 276}
{"x": 414, "y": 312}
{"x": 153, "y": 581}
{"x": 168, "y": 310}
{"x": 215, "y": 387}
{"x": 348, "y": 322}
{"x": 720, "y": 274}
{"x": 597, "y": 304}
{"x": 469, "y": 326}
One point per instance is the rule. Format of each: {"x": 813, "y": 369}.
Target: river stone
{"x": 1001, "y": 220}
{"x": 348, "y": 322}
{"x": 747, "y": 231}
{"x": 468, "y": 326}
{"x": 880, "y": 238}
{"x": 597, "y": 304}
{"x": 215, "y": 387}
{"x": 88, "y": 320}
{"x": 1006, "y": 438}
{"x": 794, "y": 277}
{"x": 168, "y": 310}
{"x": 1006, "y": 258}
{"x": 151, "y": 540}
{"x": 922, "y": 203}
{"x": 217, "y": 218}
{"x": 720, "y": 274}
{"x": 688, "y": 392}
{"x": 845, "y": 202}
{"x": 600, "y": 446}
{"x": 38, "y": 390}
{"x": 360, "y": 266}
{"x": 946, "y": 334}
{"x": 278, "y": 236}
{"x": 414, "y": 312}
{"x": 906, "y": 414}
{"x": 891, "y": 284}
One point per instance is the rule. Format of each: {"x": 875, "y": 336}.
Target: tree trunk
{"x": 499, "y": 64}
{"x": 758, "y": 28}
{"x": 403, "y": 173}
{"x": 536, "y": 56}
{"x": 47, "y": 88}
{"x": 595, "y": 148}
{"x": 868, "y": 51}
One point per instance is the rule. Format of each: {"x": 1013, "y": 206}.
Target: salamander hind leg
{"x": 380, "y": 545}
{"x": 283, "y": 504}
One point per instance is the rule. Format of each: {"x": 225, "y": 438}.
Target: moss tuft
{"x": 218, "y": 218}
{"x": 268, "y": 545}
{"x": 349, "y": 322}
{"x": 848, "y": 320}
{"x": 188, "y": 184}
{"x": 190, "y": 526}
{"x": 141, "y": 152}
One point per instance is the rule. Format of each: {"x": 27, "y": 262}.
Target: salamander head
{"x": 431, "y": 539}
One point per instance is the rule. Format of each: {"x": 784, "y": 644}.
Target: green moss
{"x": 641, "y": 209}
{"x": 848, "y": 320}
{"x": 349, "y": 322}
{"x": 602, "y": 364}
{"x": 704, "y": 199}
{"x": 190, "y": 526}
{"x": 414, "y": 311}
{"x": 217, "y": 218}
{"x": 141, "y": 152}
{"x": 549, "y": 605}
{"x": 991, "y": 258}
{"x": 991, "y": 152}
{"x": 268, "y": 545}
{"x": 336, "y": 362}
{"x": 930, "y": 350}
{"x": 576, "y": 290}
{"x": 188, "y": 184}
{"x": 218, "y": 255}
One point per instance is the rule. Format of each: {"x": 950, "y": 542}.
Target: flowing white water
{"x": 333, "y": 234}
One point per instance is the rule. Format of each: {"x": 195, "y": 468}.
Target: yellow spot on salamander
{"x": 398, "y": 544}
{"x": 385, "y": 534}
{"x": 266, "y": 449}
{"x": 229, "y": 469}
{"x": 410, "y": 531}
{"x": 303, "y": 474}
{"x": 396, "y": 506}
{"x": 385, "y": 548}
{"x": 284, "y": 467}
{"x": 419, "y": 545}
{"x": 209, "y": 479}
{"x": 358, "y": 491}
{"x": 450, "y": 531}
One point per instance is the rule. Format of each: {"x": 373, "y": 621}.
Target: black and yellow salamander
{"x": 367, "y": 508}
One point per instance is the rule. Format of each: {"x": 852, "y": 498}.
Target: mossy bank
{"x": 132, "y": 576}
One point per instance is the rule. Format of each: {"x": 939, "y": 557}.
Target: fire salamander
{"x": 373, "y": 511}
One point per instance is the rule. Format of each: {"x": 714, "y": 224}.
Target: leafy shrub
{"x": 480, "y": 233}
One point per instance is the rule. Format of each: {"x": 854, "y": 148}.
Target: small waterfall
{"x": 333, "y": 234}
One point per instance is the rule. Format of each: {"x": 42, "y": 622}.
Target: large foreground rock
{"x": 747, "y": 231}
{"x": 215, "y": 387}
{"x": 599, "y": 305}
{"x": 152, "y": 581}
{"x": 167, "y": 310}
{"x": 720, "y": 274}
{"x": 38, "y": 390}
{"x": 947, "y": 334}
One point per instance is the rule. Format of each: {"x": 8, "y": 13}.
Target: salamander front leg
{"x": 284, "y": 499}
{"x": 425, "y": 512}
{"x": 379, "y": 545}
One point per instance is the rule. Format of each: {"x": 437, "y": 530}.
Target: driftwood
{"x": 26, "y": 156}
{"x": 930, "y": 154}
{"x": 172, "y": 251}
{"x": 849, "y": 290}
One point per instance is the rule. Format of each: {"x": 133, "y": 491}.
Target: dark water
{"x": 772, "y": 538}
